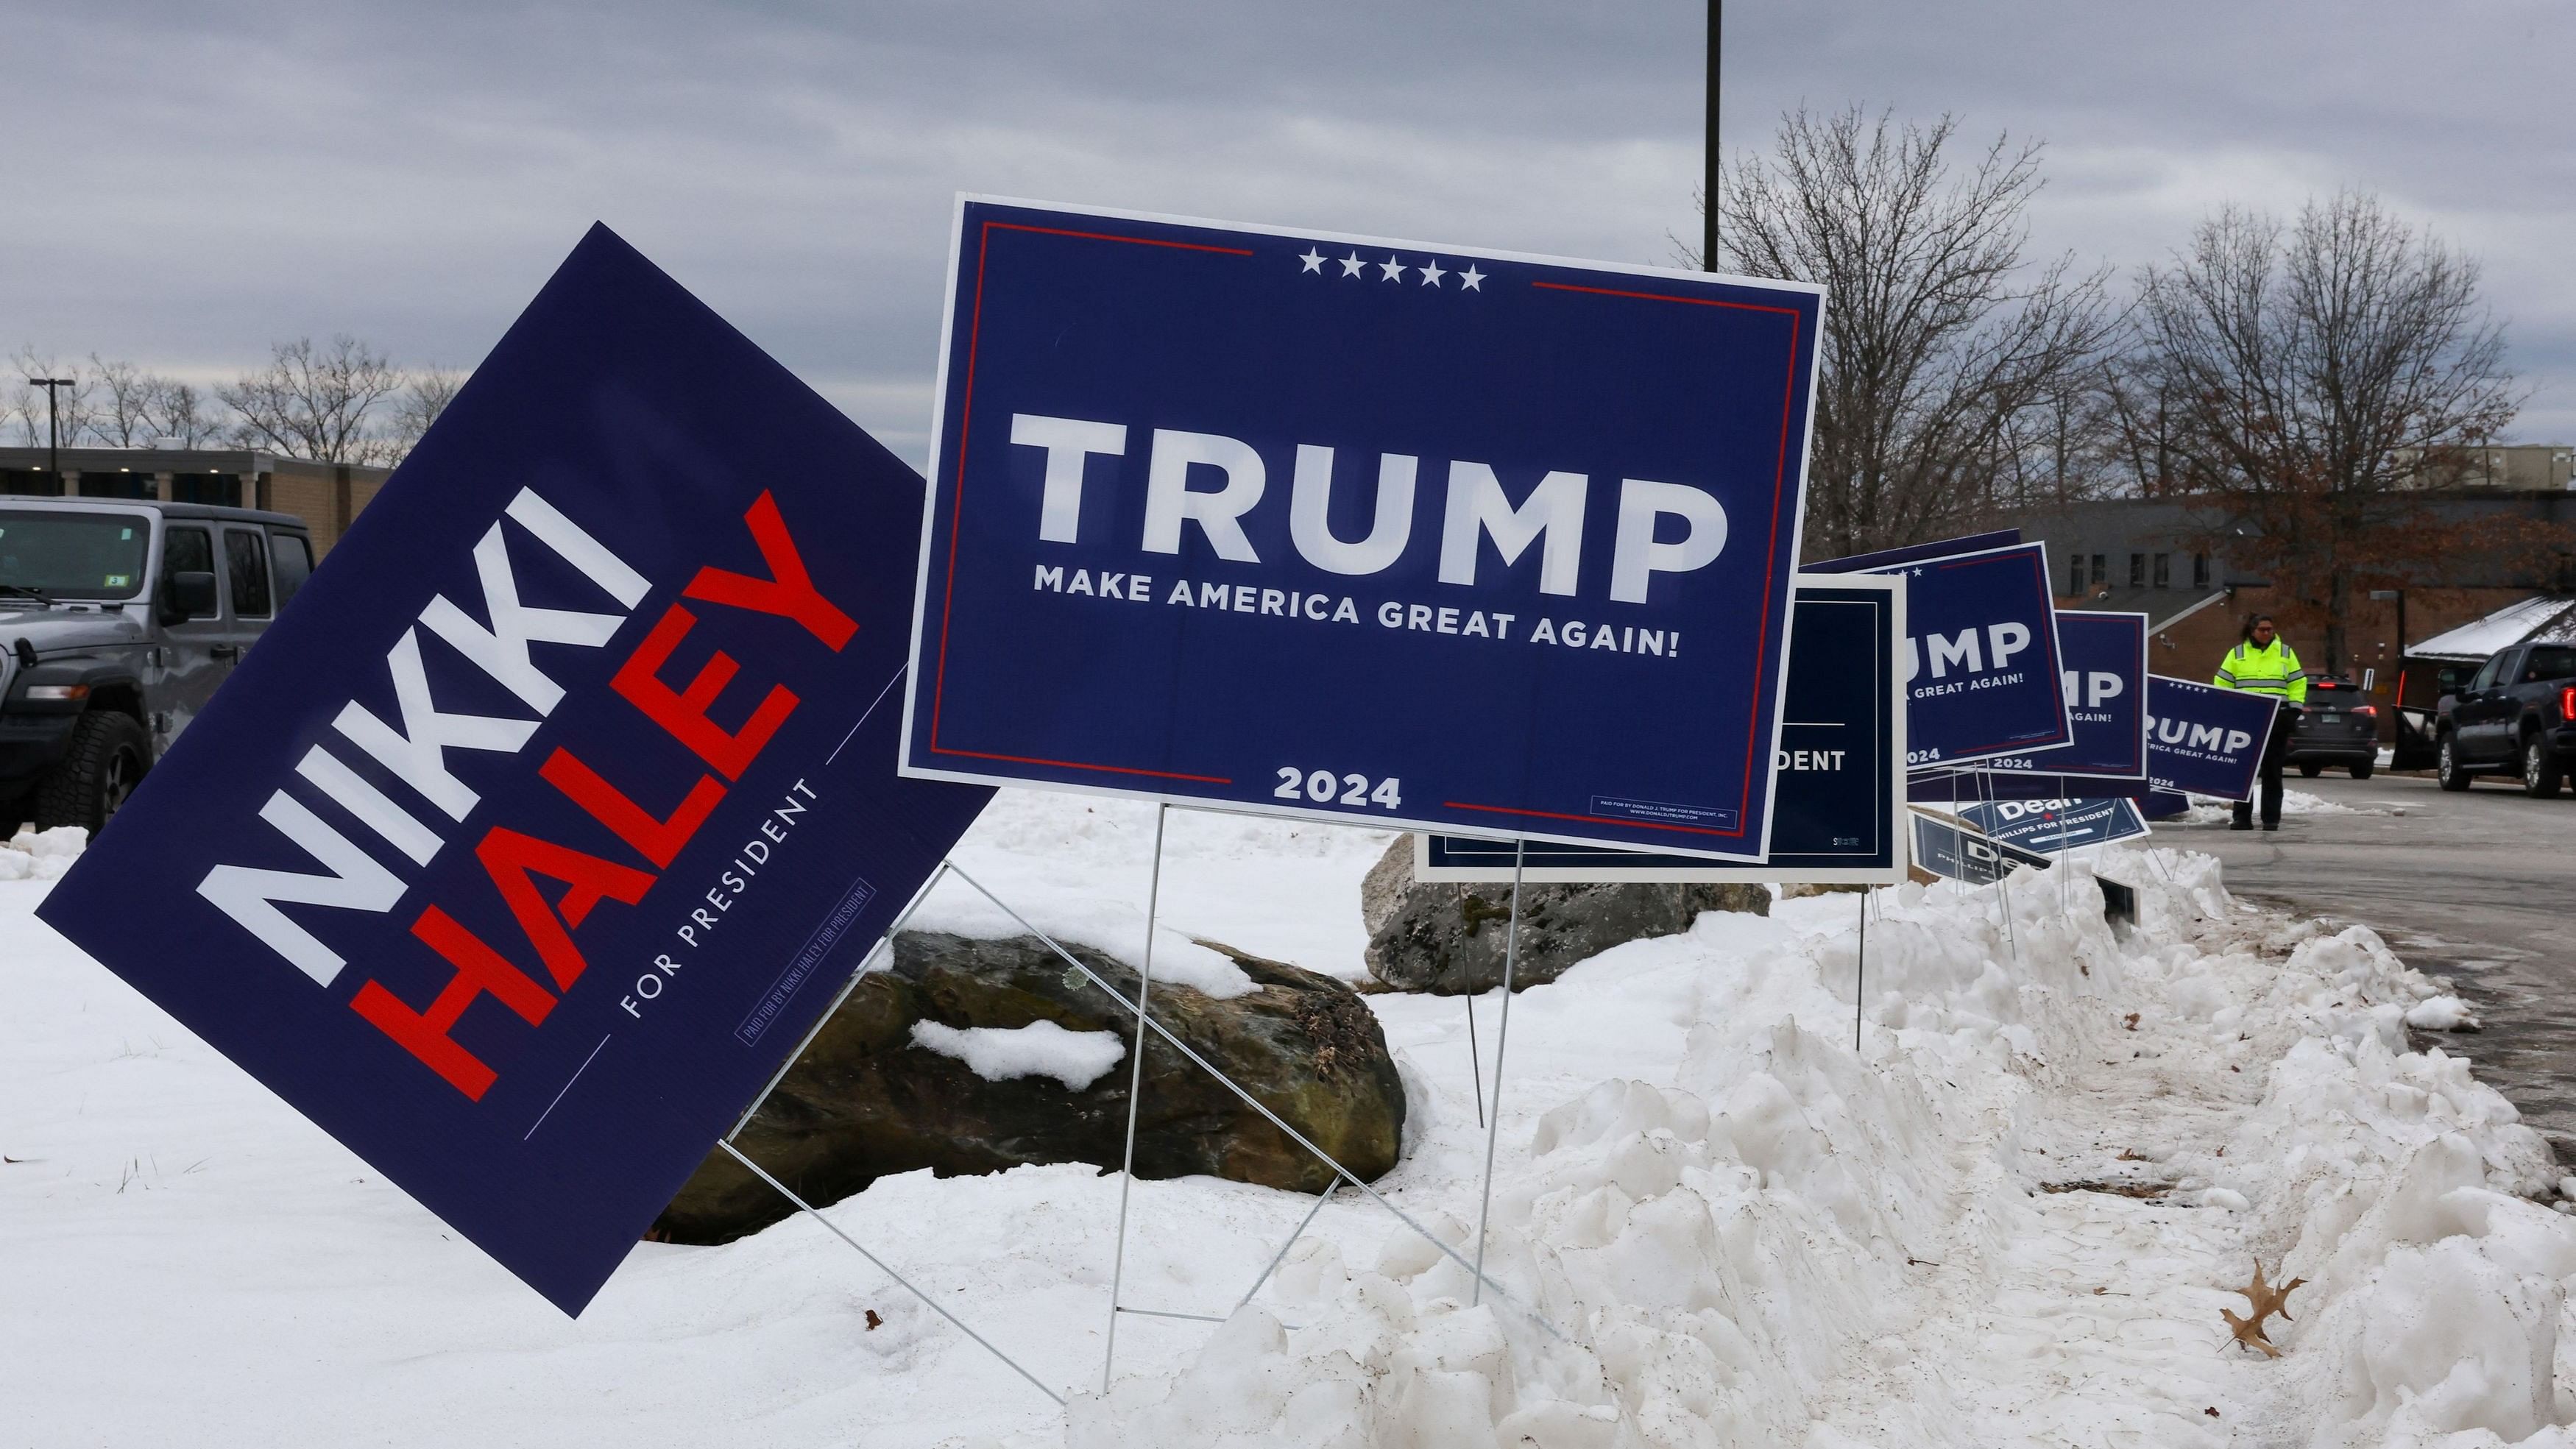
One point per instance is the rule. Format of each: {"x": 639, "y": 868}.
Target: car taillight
{"x": 2567, "y": 702}
{"x": 2371, "y": 710}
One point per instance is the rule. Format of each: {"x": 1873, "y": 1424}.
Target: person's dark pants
{"x": 2274, "y": 747}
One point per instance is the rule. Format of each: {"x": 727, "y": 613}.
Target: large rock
{"x": 1449, "y": 939}
{"x": 866, "y": 1100}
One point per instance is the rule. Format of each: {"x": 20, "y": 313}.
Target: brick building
{"x": 325, "y": 495}
{"x": 2152, "y": 556}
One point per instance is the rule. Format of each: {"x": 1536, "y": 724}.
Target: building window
{"x": 2101, "y": 572}
{"x": 2164, "y": 571}
{"x": 2200, "y": 571}
{"x": 2075, "y": 575}
{"x": 119, "y": 484}
{"x": 2137, "y": 571}
{"x": 224, "y": 490}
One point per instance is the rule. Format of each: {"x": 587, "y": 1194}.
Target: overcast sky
{"x": 192, "y": 180}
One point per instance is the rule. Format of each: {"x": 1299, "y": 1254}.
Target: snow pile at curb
{"x": 1789, "y": 1242}
{"x": 2210, "y": 810}
{"x": 34, "y": 854}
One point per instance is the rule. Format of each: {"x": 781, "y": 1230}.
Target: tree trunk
{"x": 2338, "y": 603}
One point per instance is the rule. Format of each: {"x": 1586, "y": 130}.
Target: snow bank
{"x": 1039, "y": 1049}
{"x": 2012, "y": 1217}
{"x": 34, "y": 854}
{"x": 1771, "y": 1246}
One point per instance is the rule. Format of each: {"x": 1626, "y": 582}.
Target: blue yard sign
{"x": 2104, "y": 681}
{"x": 1945, "y": 848}
{"x": 2203, "y": 739}
{"x": 527, "y": 844}
{"x": 1840, "y": 811}
{"x": 1361, "y": 530}
{"x": 2055, "y": 825}
{"x": 1983, "y": 661}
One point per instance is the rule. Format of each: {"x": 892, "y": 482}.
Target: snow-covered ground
{"x": 1716, "y": 1223}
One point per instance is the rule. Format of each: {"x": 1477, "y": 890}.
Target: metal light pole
{"x": 53, "y": 438}
{"x": 1708, "y": 182}
{"x": 2399, "y": 688}
{"x": 2383, "y": 596}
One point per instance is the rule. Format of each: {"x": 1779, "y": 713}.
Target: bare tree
{"x": 2310, "y": 381}
{"x": 428, "y": 395}
{"x": 182, "y": 414}
{"x": 123, "y": 417}
{"x": 313, "y": 402}
{"x": 1939, "y": 338}
{"x": 71, "y": 406}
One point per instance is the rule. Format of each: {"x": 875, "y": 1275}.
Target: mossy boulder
{"x": 867, "y": 1099}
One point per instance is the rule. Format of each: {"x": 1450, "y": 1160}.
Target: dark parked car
{"x": 2517, "y": 714}
{"x": 117, "y": 620}
{"x": 2338, "y": 728}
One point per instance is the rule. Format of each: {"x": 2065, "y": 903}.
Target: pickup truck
{"x": 118, "y": 618}
{"x": 2518, "y": 713}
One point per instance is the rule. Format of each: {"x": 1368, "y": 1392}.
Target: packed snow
{"x": 2441, "y": 1013}
{"x": 2210, "y": 810}
{"x": 2012, "y": 1217}
{"x": 1039, "y": 1049}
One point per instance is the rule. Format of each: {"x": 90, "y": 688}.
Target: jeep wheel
{"x": 2541, "y": 773}
{"x": 89, "y": 785}
{"x": 2361, "y": 768}
{"x": 2310, "y": 769}
{"x": 2446, "y": 768}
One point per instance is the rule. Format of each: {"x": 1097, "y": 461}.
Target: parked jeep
{"x": 118, "y": 618}
{"x": 2518, "y": 714}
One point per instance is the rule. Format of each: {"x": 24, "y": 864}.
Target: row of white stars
{"x": 1392, "y": 270}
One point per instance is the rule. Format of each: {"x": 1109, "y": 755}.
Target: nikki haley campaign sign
{"x": 1361, "y": 529}
{"x": 535, "y": 834}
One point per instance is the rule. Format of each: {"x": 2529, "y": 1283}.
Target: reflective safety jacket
{"x": 2274, "y": 671}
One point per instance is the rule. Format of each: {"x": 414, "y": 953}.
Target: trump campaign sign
{"x": 1982, "y": 660}
{"x": 535, "y": 834}
{"x": 1839, "y": 813}
{"x": 2104, "y": 682}
{"x": 1358, "y": 529}
{"x": 2205, "y": 740}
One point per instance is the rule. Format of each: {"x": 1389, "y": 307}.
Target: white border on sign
{"x": 939, "y": 463}
{"x": 1900, "y": 848}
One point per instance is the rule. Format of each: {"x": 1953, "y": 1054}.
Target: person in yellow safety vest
{"x": 2262, "y": 663}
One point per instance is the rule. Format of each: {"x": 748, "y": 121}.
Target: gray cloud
{"x": 211, "y": 176}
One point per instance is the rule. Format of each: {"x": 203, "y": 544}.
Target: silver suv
{"x": 118, "y": 618}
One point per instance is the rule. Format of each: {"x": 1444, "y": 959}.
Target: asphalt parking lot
{"x": 2475, "y": 886}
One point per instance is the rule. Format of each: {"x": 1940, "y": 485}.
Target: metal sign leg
{"x": 2003, "y": 893}
{"x": 935, "y": 1306}
{"x": 1502, "y": 1041}
{"x": 1281, "y": 1256}
{"x": 1860, "y": 971}
{"x": 1135, "y": 1093}
{"x": 1475, "y": 1060}
{"x": 884, "y": 943}
{"x": 1197, "y": 1059}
